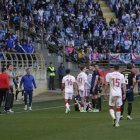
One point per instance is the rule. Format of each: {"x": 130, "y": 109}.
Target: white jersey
{"x": 69, "y": 81}
{"x": 10, "y": 75}
{"x": 82, "y": 81}
{"x": 89, "y": 78}
{"x": 115, "y": 79}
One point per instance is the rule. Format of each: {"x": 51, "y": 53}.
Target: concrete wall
{"x": 40, "y": 78}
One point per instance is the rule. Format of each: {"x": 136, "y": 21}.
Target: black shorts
{"x": 129, "y": 96}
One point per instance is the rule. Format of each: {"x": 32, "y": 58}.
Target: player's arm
{"x": 123, "y": 87}
{"x": 124, "y": 90}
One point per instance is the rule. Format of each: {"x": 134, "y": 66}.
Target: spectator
{"x": 10, "y": 43}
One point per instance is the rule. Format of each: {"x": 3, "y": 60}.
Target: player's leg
{"x": 123, "y": 105}
{"x": 16, "y": 96}
{"x": 118, "y": 115}
{"x": 94, "y": 97}
{"x": 12, "y": 99}
{"x": 129, "y": 109}
{"x": 67, "y": 97}
{"x": 30, "y": 99}
{"x": 100, "y": 100}
{"x": 1, "y": 97}
{"x": 86, "y": 100}
{"x": 22, "y": 93}
{"x": 81, "y": 105}
{"x": 67, "y": 105}
{"x": 122, "y": 109}
{"x": 95, "y": 102}
{"x": 25, "y": 99}
{"x": 118, "y": 110}
{"x": 111, "y": 110}
{"x": 88, "y": 104}
{"x": 77, "y": 103}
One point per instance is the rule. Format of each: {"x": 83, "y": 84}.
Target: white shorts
{"x": 115, "y": 101}
{"x": 68, "y": 96}
{"x": 82, "y": 93}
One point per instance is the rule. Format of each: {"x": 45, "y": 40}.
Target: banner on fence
{"x": 136, "y": 58}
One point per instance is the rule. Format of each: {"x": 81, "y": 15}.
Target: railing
{"x": 106, "y": 59}
{"x": 21, "y": 60}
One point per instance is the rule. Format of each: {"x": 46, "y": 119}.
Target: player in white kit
{"x": 116, "y": 81}
{"x": 82, "y": 83}
{"x": 68, "y": 86}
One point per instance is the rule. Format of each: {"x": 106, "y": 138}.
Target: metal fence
{"x": 22, "y": 60}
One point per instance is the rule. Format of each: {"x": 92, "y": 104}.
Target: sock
{"x": 112, "y": 113}
{"x": 96, "y": 104}
{"x": 122, "y": 108}
{"x": 81, "y": 107}
{"x": 67, "y": 106}
{"x": 118, "y": 114}
{"x": 100, "y": 103}
{"x": 90, "y": 105}
{"x": 129, "y": 108}
{"x": 85, "y": 106}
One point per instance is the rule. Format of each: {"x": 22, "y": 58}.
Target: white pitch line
{"x": 54, "y": 107}
{"x": 50, "y": 108}
{"x": 47, "y": 108}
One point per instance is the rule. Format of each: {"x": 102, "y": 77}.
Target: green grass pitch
{"x": 48, "y": 121}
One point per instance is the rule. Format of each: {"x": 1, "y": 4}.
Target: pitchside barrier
{"x": 21, "y": 61}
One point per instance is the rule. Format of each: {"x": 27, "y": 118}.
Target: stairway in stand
{"x": 107, "y": 12}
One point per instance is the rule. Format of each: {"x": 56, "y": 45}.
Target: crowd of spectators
{"x": 78, "y": 26}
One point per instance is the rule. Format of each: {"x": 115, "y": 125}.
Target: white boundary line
{"x": 47, "y": 108}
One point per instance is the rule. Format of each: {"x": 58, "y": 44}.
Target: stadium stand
{"x": 76, "y": 27}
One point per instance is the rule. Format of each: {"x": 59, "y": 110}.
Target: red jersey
{"x": 4, "y": 81}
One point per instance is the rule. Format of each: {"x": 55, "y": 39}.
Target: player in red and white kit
{"x": 82, "y": 83}
{"x": 68, "y": 86}
{"x": 116, "y": 81}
